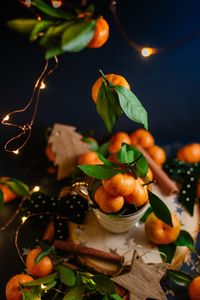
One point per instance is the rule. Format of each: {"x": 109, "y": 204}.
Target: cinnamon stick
{"x": 79, "y": 249}
{"x": 49, "y": 232}
{"x": 163, "y": 180}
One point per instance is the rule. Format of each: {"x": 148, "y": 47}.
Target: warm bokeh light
{"x": 146, "y": 52}
{"x": 24, "y": 219}
{"x": 6, "y": 118}
{"x": 56, "y": 3}
{"x": 36, "y": 188}
{"x": 16, "y": 152}
{"x": 42, "y": 86}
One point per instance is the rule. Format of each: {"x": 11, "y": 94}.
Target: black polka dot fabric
{"x": 187, "y": 175}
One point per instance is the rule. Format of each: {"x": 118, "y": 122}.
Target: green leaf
{"x": 78, "y": 36}
{"x": 168, "y": 250}
{"x": 44, "y": 253}
{"x": 41, "y": 26}
{"x": 76, "y": 293}
{"x": 103, "y": 149}
{"x": 43, "y": 280}
{"x": 131, "y": 106}
{"x": 107, "y": 106}
{"x": 146, "y": 214}
{"x": 116, "y": 297}
{"x": 50, "y": 11}
{"x": 104, "y": 284}
{"x": 93, "y": 145}
{"x": 126, "y": 154}
{"x": 66, "y": 275}
{"x": 160, "y": 209}
{"x": 180, "y": 278}
{"x": 90, "y": 9}
{"x": 185, "y": 239}
{"x": 1, "y": 199}
{"x": 31, "y": 294}
{"x": 54, "y": 51}
{"x": 141, "y": 166}
{"x": 99, "y": 171}
{"x": 24, "y": 26}
{"x": 17, "y": 186}
{"x": 104, "y": 160}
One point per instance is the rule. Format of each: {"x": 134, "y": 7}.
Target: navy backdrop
{"x": 168, "y": 84}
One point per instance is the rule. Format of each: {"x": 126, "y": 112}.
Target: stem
{"x": 106, "y": 80}
{"x": 134, "y": 162}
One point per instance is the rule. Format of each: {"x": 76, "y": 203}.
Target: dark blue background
{"x": 167, "y": 84}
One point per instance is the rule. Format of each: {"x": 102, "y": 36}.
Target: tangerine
{"x": 189, "y": 153}
{"x": 43, "y": 268}
{"x": 13, "y": 291}
{"x": 142, "y": 137}
{"x": 159, "y": 232}
{"x": 101, "y": 34}
{"x": 89, "y": 158}
{"x": 117, "y": 140}
{"x": 194, "y": 289}
{"x": 119, "y": 185}
{"x": 8, "y": 194}
{"x": 113, "y": 78}
{"x": 158, "y": 154}
{"x": 107, "y": 203}
{"x": 139, "y": 195}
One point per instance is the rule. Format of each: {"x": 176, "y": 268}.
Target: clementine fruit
{"x": 139, "y": 195}
{"x": 194, "y": 289}
{"x": 117, "y": 140}
{"x": 189, "y": 153}
{"x": 8, "y": 195}
{"x": 13, "y": 286}
{"x": 150, "y": 174}
{"x": 114, "y": 79}
{"x": 41, "y": 269}
{"x": 158, "y": 154}
{"x": 160, "y": 233}
{"x": 89, "y": 158}
{"x": 107, "y": 203}
{"x": 142, "y": 137}
{"x": 101, "y": 34}
{"x": 119, "y": 185}
{"x": 49, "y": 153}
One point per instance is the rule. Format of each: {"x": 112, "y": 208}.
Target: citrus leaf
{"x": 179, "y": 277}
{"x": 160, "y": 209}
{"x": 126, "y": 154}
{"x": 141, "y": 166}
{"x": 17, "y": 186}
{"x": 78, "y": 36}
{"x": 50, "y": 11}
{"x": 116, "y": 297}
{"x": 76, "y": 293}
{"x": 99, "y": 171}
{"x": 38, "y": 28}
{"x": 168, "y": 250}
{"x": 104, "y": 160}
{"x": 33, "y": 294}
{"x": 1, "y": 199}
{"x": 131, "y": 106}
{"x": 104, "y": 284}
{"x": 107, "y": 106}
{"x": 146, "y": 214}
{"x": 44, "y": 253}
{"x": 104, "y": 149}
{"x": 24, "y": 26}
{"x": 185, "y": 239}
{"x": 66, "y": 275}
{"x": 43, "y": 280}
{"x": 93, "y": 145}
{"x": 54, "y": 51}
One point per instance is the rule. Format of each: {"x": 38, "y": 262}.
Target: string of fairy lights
{"x": 26, "y": 129}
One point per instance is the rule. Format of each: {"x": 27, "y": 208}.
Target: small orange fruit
{"x": 13, "y": 286}
{"x": 194, "y": 289}
{"x": 49, "y": 153}
{"x": 119, "y": 185}
{"x": 139, "y": 195}
{"x": 101, "y": 34}
{"x": 107, "y": 203}
{"x": 41, "y": 269}
{"x": 158, "y": 154}
{"x": 150, "y": 174}
{"x": 8, "y": 195}
{"x": 89, "y": 158}
{"x": 114, "y": 79}
{"x": 117, "y": 140}
{"x": 189, "y": 153}
{"x": 142, "y": 137}
{"x": 160, "y": 233}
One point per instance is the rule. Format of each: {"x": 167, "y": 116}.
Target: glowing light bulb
{"x": 42, "y": 86}
{"x": 24, "y": 219}
{"x": 43, "y": 286}
{"x": 146, "y": 52}
{"x": 56, "y": 3}
{"x": 16, "y": 151}
{"x": 6, "y": 118}
{"x": 36, "y": 188}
